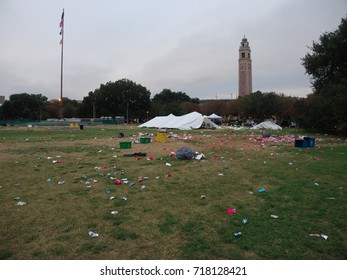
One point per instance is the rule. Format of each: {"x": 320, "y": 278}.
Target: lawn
{"x": 174, "y": 209}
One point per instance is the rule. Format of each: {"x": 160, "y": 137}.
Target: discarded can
{"x": 203, "y": 197}
{"x": 123, "y": 198}
{"x": 118, "y": 182}
{"x": 132, "y": 184}
{"x": 114, "y": 212}
{"x": 237, "y": 234}
{"x": 49, "y": 180}
{"x": 324, "y": 236}
{"x": 112, "y": 198}
{"x": 274, "y": 216}
{"x": 21, "y": 203}
{"x": 61, "y": 182}
{"x": 244, "y": 221}
{"x": 261, "y": 190}
{"x": 108, "y": 191}
{"x": 93, "y": 234}
{"x": 231, "y": 211}
{"x": 142, "y": 187}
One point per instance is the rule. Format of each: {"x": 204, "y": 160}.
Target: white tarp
{"x": 267, "y": 125}
{"x": 189, "y": 121}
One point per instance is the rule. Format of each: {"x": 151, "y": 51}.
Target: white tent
{"x": 267, "y": 125}
{"x": 214, "y": 116}
{"x": 189, "y": 121}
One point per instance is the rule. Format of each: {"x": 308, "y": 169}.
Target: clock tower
{"x": 245, "y": 68}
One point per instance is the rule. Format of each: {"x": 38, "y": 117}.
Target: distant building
{"x": 245, "y": 68}
{"x": 2, "y": 99}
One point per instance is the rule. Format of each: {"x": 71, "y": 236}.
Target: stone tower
{"x": 245, "y": 68}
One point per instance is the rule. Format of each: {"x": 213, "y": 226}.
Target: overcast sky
{"x": 183, "y": 45}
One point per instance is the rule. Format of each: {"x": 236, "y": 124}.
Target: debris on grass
{"x": 274, "y": 216}
{"x": 324, "y": 236}
{"x": 231, "y": 211}
{"x": 93, "y": 234}
{"x": 21, "y": 203}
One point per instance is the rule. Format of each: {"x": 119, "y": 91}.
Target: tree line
{"x": 324, "y": 109}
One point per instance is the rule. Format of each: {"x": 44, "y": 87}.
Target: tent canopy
{"x": 267, "y": 125}
{"x": 189, "y": 121}
{"x": 214, "y": 116}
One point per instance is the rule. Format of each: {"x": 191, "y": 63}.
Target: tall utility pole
{"x": 61, "y": 25}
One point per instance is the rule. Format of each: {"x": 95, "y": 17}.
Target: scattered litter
{"x": 117, "y": 182}
{"x": 112, "y": 198}
{"x": 150, "y": 158}
{"x": 21, "y": 203}
{"x": 49, "y": 180}
{"x": 200, "y": 156}
{"x": 237, "y": 234}
{"x": 331, "y": 198}
{"x": 316, "y": 158}
{"x": 142, "y": 187}
{"x": 262, "y": 190}
{"x": 203, "y": 197}
{"x": 168, "y": 175}
{"x": 316, "y": 184}
{"x": 220, "y": 174}
{"x": 135, "y": 155}
{"x": 274, "y": 216}
{"x": 93, "y": 234}
{"x": 325, "y": 237}
{"x": 114, "y": 212}
{"x": 244, "y": 221}
{"x": 17, "y": 198}
{"x": 168, "y": 164}
{"x": 145, "y": 178}
{"x": 250, "y": 193}
{"x": 185, "y": 153}
{"x": 140, "y": 180}
{"x": 108, "y": 191}
{"x": 132, "y": 184}
{"x": 88, "y": 187}
{"x": 231, "y": 211}
{"x": 123, "y": 198}
{"x": 61, "y": 182}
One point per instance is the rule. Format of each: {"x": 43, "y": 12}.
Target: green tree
{"x": 24, "y": 106}
{"x": 327, "y": 66}
{"x": 262, "y": 106}
{"x": 120, "y": 98}
{"x": 169, "y": 102}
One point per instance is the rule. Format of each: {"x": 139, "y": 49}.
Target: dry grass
{"x": 168, "y": 219}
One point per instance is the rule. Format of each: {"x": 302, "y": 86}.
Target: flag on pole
{"x": 61, "y": 25}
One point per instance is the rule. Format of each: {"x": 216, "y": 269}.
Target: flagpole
{"x": 61, "y": 66}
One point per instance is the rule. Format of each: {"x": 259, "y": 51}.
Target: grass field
{"x": 168, "y": 219}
